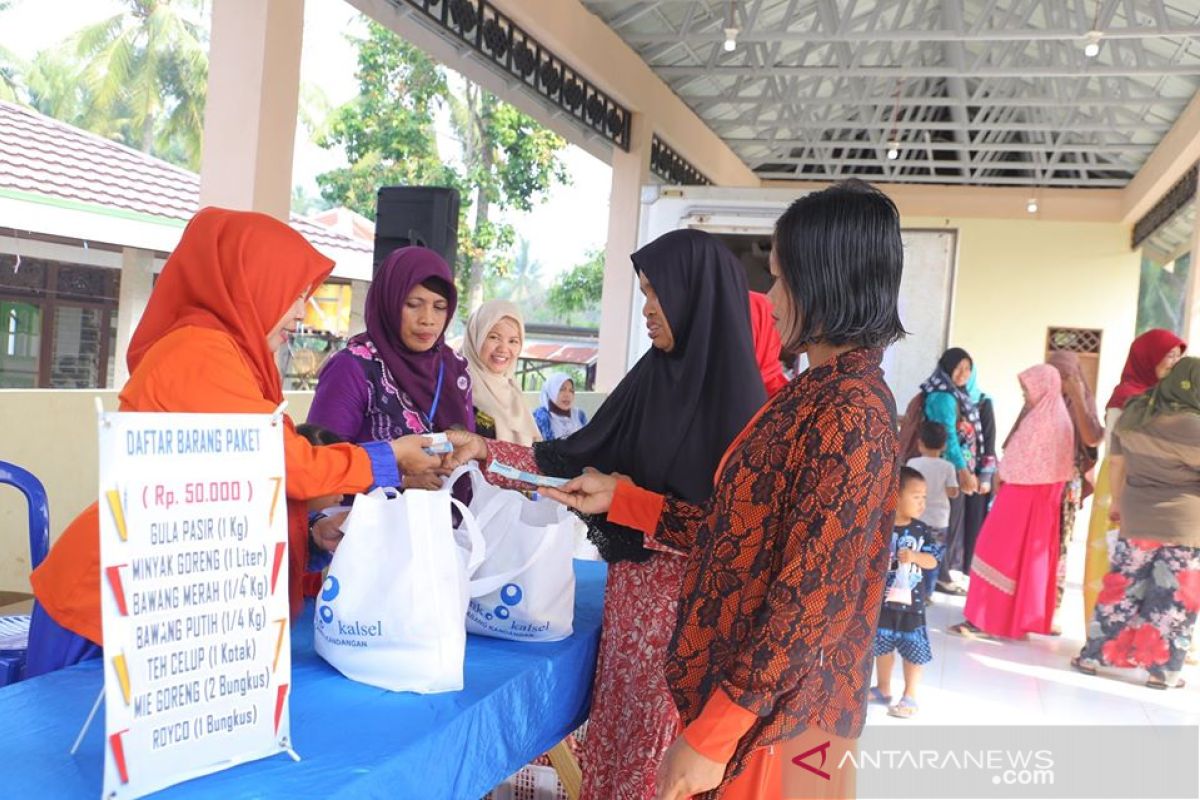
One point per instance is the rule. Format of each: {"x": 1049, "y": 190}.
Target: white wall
{"x": 1016, "y": 278}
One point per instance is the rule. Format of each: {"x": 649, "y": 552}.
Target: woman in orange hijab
{"x": 227, "y": 299}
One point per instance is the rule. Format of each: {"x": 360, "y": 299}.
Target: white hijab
{"x": 561, "y": 426}
{"x": 498, "y": 396}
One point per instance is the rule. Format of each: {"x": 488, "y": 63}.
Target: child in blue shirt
{"x": 902, "y": 618}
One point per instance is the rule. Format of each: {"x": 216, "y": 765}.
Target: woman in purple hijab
{"x": 400, "y": 376}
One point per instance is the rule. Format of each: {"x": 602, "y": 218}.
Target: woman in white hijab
{"x": 495, "y": 337}
{"x": 558, "y": 417}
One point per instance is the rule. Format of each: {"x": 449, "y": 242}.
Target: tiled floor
{"x": 1030, "y": 682}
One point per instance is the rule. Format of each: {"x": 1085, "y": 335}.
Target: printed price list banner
{"x": 193, "y": 550}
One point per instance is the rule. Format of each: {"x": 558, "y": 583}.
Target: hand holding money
{"x": 533, "y": 479}
{"x": 590, "y": 493}
{"x": 467, "y": 447}
{"x": 412, "y": 456}
{"x": 439, "y": 445}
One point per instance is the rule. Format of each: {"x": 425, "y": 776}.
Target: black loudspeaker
{"x": 421, "y": 215}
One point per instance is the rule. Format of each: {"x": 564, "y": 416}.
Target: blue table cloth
{"x": 356, "y": 741}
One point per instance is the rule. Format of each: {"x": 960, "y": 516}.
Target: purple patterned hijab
{"x": 415, "y": 373}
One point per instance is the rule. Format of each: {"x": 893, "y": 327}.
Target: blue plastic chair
{"x": 14, "y": 630}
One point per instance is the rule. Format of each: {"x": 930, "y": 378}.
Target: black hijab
{"x": 942, "y": 380}
{"x": 669, "y": 421}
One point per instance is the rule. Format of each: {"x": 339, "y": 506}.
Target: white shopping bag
{"x": 584, "y": 549}
{"x": 524, "y": 589}
{"x": 391, "y": 610}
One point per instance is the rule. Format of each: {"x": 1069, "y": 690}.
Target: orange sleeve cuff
{"x": 721, "y": 725}
{"x": 635, "y": 507}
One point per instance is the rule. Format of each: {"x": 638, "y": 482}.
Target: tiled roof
{"x": 44, "y": 156}
{"x": 561, "y": 352}
{"x": 343, "y": 220}
{"x": 320, "y": 235}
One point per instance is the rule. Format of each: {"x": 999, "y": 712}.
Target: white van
{"x": 745, "y": 219}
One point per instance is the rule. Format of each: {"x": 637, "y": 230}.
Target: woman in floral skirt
{"x": 1146, "y": 611}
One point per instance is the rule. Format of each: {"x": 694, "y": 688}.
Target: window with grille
{"x": 1074, "y": 340}
{"x": 57, "y": 324}
{"x": 1083, "y": 342}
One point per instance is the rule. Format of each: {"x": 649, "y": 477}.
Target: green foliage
{"x": 1162, "y": 294}
{"x": 138, "y": 77}
{"x": 10, "y": 67}
{"x": 389, "y": 136}
{"x": 529, "y": 165}
{"x": 305, "y": 203}
{"x": 521, "y": 282}
{"x": 526, "y": 274}
{"x": 146, "y": 74}
{"x": 53, "y": 88}
{"x": 575, "y": 296}
{"x": 387, "y": 132}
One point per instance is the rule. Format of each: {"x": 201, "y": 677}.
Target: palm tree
{"x": 148, "y": 68}
{"x": 53, "y": 88}
{"x": 10, "y": 67}
{"x": 526, "y": 274}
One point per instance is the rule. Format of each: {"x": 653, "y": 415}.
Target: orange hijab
{"x": 236, "y": 272}
{"x": 767, "y": 344}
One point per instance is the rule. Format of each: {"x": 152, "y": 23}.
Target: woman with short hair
{"x": 786, "y": 562}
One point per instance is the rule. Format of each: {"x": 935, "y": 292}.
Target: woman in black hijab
{"x": 670, "y": 419}
{"x": 666, "y": 425}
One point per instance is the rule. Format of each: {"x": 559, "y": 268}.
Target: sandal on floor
{"x": 1086, "y": 666}
{"x": 905, "y": 709}
{"x": 950, "y": 588}
{"x": 966, "y": 630}
{"x": 1161, "y": 685}
{"x": 879, "y": 697}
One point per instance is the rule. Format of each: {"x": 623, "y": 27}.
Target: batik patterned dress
{"x": 360, "y": 401}
{"x": 786, "y": 564}
{"x": 626, "y": 740}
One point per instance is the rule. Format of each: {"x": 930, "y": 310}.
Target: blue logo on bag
{"x": 510, "y": 595}
{"x": 329, "y": 592}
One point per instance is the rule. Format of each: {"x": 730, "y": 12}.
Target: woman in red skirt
{"x": 1013, "y": 574}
